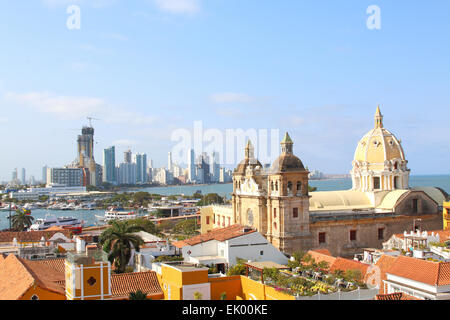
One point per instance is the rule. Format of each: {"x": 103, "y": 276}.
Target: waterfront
{"x": 440, "y": 181}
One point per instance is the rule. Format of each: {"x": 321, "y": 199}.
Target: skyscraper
{"x": 24, "y": 177}
{"x": 127, "y": 156}
{"x": 215, "y": 168}
{"x": 44, "y": 174}
{"x": 109, "y": 165}
{"x": 141, "y": 168}
{"x": 170, "y": 162}
{"x": 14, "y": 175}
{"x": 191, "y": 173}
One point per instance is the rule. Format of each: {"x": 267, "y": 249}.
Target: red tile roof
{"x": 318, "y": 257}
{"x": 384, "y": 263}
{"x": 56, "y": 264}
{"x": 429, "y": 272}
{"x": 31, "y": 236}
{"x": 395, "y": 296}
{"x": 347, "y": 264}
{"x": 17, "y": 276}
{"x": 223, "y": 234}
{"x": 124, "y": 284}
{"x": 323, "y": 251}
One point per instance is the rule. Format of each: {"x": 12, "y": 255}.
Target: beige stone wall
{"x": 338, "y": 232}
{"x": 424, "y": 203}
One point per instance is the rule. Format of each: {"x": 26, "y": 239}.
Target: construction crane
{"x": 90, "y": 120}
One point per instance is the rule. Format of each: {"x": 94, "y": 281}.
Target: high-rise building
{"x": 141, "y": 168}
{"x": 191, "y": 167}
{"x": 44, "y": 174}
{"x": 14, "y": 175}
{"x": 203, "y": 169}
{"x": 170, "y": 168}
{"x": 109, "y": 165}
{"x": 92, "y": 171}
{"x": 127, "y": 173}
{"x": 215, "y": 168}
{"x": 127, "y": 156}
{"x": 24, "y": 177}
{"x": 70, "y": 177}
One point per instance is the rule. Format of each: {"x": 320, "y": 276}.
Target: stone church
{"x": 277, "y": 202}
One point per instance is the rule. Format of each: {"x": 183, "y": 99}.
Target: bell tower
{"x": 288, "y": 201}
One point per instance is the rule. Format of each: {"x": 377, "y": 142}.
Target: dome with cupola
{"x": 379, "y": 161}
{"x": 249, "y": 161}
{"x": 287, "y": 161}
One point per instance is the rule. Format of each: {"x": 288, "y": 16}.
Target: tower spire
{"x": 287, "y": 144}
{"x": 249, "y": 150}
{"x": 378, "y": 118}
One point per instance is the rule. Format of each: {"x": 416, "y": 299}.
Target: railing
{"x": 358, "y": 294}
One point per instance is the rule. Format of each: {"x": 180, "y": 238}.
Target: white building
{"x": 422, "y": 279}
{"x": 222, "y": 247}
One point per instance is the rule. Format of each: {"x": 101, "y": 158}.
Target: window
{"x": 275, "y": 226}
{"x": 207, "y": 220}
{"x": 34, "y": 297}
{"x": 299, "y": 187}
{"x": 289, "y": 187}
{"x": 295, "y": 213}
{"x": 274, "y": 213}
{"x": 261, "y": 253}
{"x": 352, "y": 235}
{"x": 229, "y": 221}
{"x": 322, "y": 237}
{"x": 415, "y": 205}
{"x": 380, "y": 233}
{"x": 376, "y": 183}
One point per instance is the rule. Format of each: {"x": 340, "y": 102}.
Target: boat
{"x": 70, "y": 223}
{"x": 115, "y": 214}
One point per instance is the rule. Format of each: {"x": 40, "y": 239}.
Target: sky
{"x": 147, "y": 68}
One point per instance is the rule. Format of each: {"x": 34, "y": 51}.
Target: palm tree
{"x": 138, "y": 295}
{"x": 21, "y": 221}
{"x": 118, "y": 241}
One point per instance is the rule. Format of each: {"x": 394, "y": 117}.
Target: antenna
{"x": 90, "y": 120}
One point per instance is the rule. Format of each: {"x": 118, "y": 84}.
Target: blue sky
{"x": 148, "y": 67}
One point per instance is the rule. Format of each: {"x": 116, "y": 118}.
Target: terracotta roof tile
{"x": 384, "y": 263}
{"x": 395, "y": 296}
{"x": 56, "y": 264}
{"x": 31, "y": 236}
{"x": 347, "y": 264}
{"x": 223, "y": 234}
{"x": 323, "y": 251}
{"x": 45, "y": 276}
{"x": 123, "y": 284}
{"x": 429, "y": 272}
{"x": 15, "y": 280}
{"x": 319, "y": 256}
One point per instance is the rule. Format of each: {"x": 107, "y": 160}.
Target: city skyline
{"x": 317, "y": 72}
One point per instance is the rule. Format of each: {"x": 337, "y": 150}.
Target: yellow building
{"x": 184, "y": 281}
{"x": 277, "y": 203}
{"x": 446, "y": 215}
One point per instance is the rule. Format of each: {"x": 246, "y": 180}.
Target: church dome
{"x": 287, "y": 161}
{"x": 379, "y": 147}
{"x": 249, "y": 162}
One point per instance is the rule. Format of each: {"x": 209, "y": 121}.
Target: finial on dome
{"x": 249, "y": 150}
{"x": 378, "y": 118}
{"x": 286, "y": 144}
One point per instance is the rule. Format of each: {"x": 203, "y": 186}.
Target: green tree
{"x": 223, "y": 296}
{"x": 21, "y": 220}
{"x": 211, "y": 198}
{"x": 237, "y": 270}
{"x": 198, "y": 295}
{"x": 138, "y": 295}
{"x": 187, "y": 227}
{"x": 118, "y": 241}
{"x": 147, "y": 225}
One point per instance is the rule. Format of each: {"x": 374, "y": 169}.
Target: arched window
{"x": 299, "y": 187}
{"x": 289, "y": 187}
{"x": 271, "y": 185}
{"x": 376, "y": 183}
{"x": 396, "y": 165}
{"x": 276, "y": 186}
{"x": 274, "y": 213}
{"x": 396, "y": 182}
{"x": 34, "y": 297}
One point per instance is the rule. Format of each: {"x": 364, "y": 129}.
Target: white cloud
{"x": 64, "y": 107}
{"x": 125, "y": 143}
{"x": 189, "y": 7}
{"x": 230, "y": 97}
{"x": 229, "y": 112}
{"x": 74, "y": 108}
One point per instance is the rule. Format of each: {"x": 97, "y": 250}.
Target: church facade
{"x": 278, "y": 204}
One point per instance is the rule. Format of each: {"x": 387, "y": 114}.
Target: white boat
{"x": 44, "y": 224}
{"x": 118, "y": 215}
